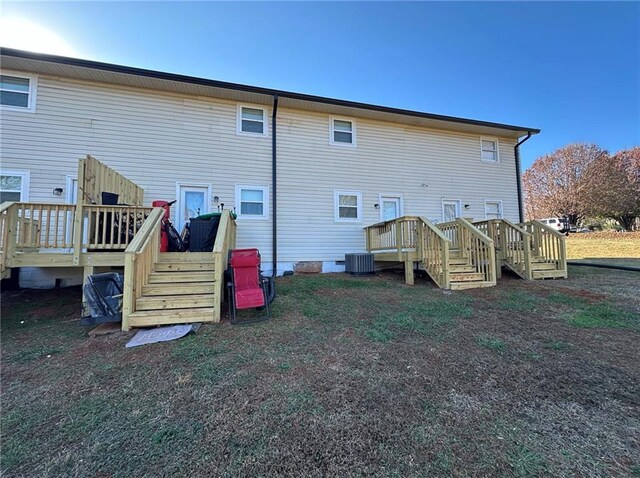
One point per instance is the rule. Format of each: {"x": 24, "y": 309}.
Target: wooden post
{"x": 408, "y": 272}
{"x": 445, "y": 266}
{"x": 86, "y": 271}
{"x": 78, "y": 218}
{"x": 12, "y": 231}
{"x": 129, "y": 296}
{"x": 399, "y": 238}
{"x": 526, "y": 243}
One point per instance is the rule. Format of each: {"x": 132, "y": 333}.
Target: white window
{"x": 493, "y": 209}
{"x": 343, "y": 131}
{"x": 18, "y": 91}
{"x": 252, "y": 120}
{"x": 14, "y": 186}
{"x": 450, "y": 210}
{"x": 347, "y": 206}
{"x": 489, "y": 150}
{"x": 252, "y": 202}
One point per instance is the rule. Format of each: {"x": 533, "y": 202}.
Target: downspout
{"x": 519, "y": 176}
{"x": 274, "y": 239}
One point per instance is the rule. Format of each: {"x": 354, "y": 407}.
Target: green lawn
{"x": 353, "y": 377}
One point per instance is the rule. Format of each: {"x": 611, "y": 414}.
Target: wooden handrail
{"x": 6, "y": 205}
{"x": 480, "y": 249}
{"x": 475, "y": 231}
{"x": 149, "y": 226}
{"x": 225, "y": 240}
{"x": 139, "y": 261}
{"x": 433, "y": 247}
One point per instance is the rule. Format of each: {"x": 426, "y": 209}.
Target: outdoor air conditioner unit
{"x": 358, "y": 264}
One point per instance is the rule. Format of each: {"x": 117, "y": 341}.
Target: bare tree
{"x": 612, "y": 187}
{"x": 554, "y": 186}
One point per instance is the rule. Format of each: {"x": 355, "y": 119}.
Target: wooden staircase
{"x": 532, "y": 250}
{"x": 462, "y": 273}
{"x": 455, "y": 255}
{"x": 180, "y": 289}
{"x": 162, "y": 288}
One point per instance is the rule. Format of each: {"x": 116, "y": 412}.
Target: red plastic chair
{"x": 247, "y": 289}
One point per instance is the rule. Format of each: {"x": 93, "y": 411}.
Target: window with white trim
{"x": 489, "y": 150}
{"x": 18, "y": 92}
{"x": 252, "y": 120}
{"x": 14, "y": 186}
{"x": 493, "y": 209}
{"x": 347, "y": 206}
{"x": 252, "y": 202}
{"x": 343, "y": 131}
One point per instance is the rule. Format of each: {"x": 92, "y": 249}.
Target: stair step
{"x": 458, "y": 261}
{"x": 549, "y": 274}
{"x": 462, "y": 268}
{"x": 543, "y": 266}
{"x": 471, "y": 285}
{"x": 185, "y": 257}
{"x": 183, "y": 266}
{"x": 145, "y": 318}
{"x": 192, "y": 301}
{"x": 184, "y": 288}
{"x": 179, "y": 277}
{"x": 466, "y": 277}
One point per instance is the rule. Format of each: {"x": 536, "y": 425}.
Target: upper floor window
{"x": 489, "y": 148}
{"x": 493, "y": 209}
{"x": 14, "y": 186}
{"x": 343, "y": 131}
{"x": 18, "y": 92}
{"x": 252, "y": 202}
{"x": 347, "y": 206}
{"x": 252, "y": 120}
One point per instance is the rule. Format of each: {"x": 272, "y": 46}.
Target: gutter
{"x": 516, "y": 149}
{"x": 274, "y": 169}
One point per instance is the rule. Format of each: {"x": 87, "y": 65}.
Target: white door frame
{"x": 452, "y": 201}
{"x": 397, "y": 196}
{"x": 178, "y": 206}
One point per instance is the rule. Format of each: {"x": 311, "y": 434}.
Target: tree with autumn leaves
{"x": 581, "y": 180}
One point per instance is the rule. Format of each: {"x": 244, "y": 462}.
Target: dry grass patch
{"x": 608, "y": 247}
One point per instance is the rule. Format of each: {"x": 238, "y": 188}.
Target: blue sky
{"x": 571, "y": 69}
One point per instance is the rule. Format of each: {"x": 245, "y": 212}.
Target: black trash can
{"x": 202, "y": 233}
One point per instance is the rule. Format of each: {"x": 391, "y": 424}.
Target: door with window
{"x": 450, "y": 210}
{"x": 193, "y": 201}
{"x": 390, "y": 207}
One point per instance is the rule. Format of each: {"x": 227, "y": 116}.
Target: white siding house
{"x": 179, "y": 137}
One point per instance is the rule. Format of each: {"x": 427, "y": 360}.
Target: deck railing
{"x": 29, "y": 227}
{"x": 479, "y": 249}
{"x": 433, "y": 249}
{"x": 139, "y": 261}
{"x": 547, "y": 245}
{"x": 455, "y": 232}
{"x": 225, "y": 240}
{"x": 393, "y": 235}
{"x": 513, "y": 245}
{"x": 112, "y": 227}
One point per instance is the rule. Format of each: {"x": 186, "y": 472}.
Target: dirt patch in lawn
{"x": 353, "y": 377}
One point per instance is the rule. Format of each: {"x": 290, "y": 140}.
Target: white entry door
{"x": 192, "y": 202}
{"x": 450, "y": 210}
{"x": 390, "y": 207}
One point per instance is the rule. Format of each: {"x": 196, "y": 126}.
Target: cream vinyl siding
{"x": 389, "y": 157}
{"x": 154, "y": 138}
{"x": 158, "y": 138}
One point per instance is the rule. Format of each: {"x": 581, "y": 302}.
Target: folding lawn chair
{"x": 103, "y": 296}
{"x": 248, "y": 289}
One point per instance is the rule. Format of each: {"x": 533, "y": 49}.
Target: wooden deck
{"x": 160, "y": 288}
{"x": 463, "y": 255}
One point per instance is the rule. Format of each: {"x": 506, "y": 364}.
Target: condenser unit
{"x": 358, "y": 264}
